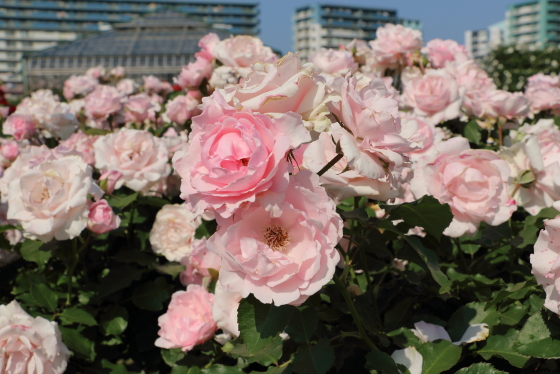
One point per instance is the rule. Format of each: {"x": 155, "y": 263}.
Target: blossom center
{"x": 276, "y": 237}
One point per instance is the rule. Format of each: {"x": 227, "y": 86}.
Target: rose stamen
{"x": 276, "y": 237}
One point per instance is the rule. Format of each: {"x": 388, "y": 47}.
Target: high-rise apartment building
{"x": 319, "y": 26}
{"x": 480, "y": 42}
{"x": 32, "y": 25}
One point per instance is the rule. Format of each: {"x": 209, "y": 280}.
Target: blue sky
{"x": 445, "y": 19}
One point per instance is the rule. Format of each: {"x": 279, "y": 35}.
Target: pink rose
{"x": 233, "y": 156}
{"x": 473, "y": 182}
{"x": 101, "y": 218}
{"x": 140, "y": 107}
{"x": 198, "y": 263}
{"x": 138, "y": 155}
{"x": 394, "y": 42}
{"x": 172, "y": 234}
{"x": 188, "y": 320}
{"x": 79, "y": 85}
{"x": 426, "y": 135}
{"x": 225, "y": 309}
{"x": 498, "y": 103}
{"x": 182, "y": 108}
{"x": 108, "y": 180}
{"x": 101, "y": 103}
{"x": 30, "y": 345}
{"x": 51, "y": 199}
{"x": 475, "y": 81}
{"x": 96, "y": 72}
{"x": 243, "y": 51}
{"x": 126, "y": 87}
{"x": 333, "y": 61}
{"x": 286, "y": 258}
{"x": 4, "y": 111}
{"x": 286, "y": 86}
{"x": 440, "y": 52}
{"x": 117, "y": 72}
{"x": 9, "y": 149}
{"x": 543, "y": 91}
{"x": 435, "y": 95}
{"x": 546, "y": 262}
{"x": 360, "y": 50}
{"x": 207, "y": 44}
{"x": 377, "y": 139}
{"x": 82, "y": 144}
{"x": 20, "y": 126}
{"x": 153, "y": 84}
{"x": 192, "y": 75}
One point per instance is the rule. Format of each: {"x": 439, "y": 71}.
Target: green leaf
{"x": 439, "y": 356}
{"x": 535, "y": 338}
{"x": 153, "y": 201}
{"x": 152, "y": 295}
{"x": 427, "y": 255}
{"x": 77, "y": 315}
{"x": 171, "y": 356}
{"x": 510, "y": 290}
{"x": 513, "y": 315}
{"x": 5, "y": 228}
{"x": 92, "y": 131}
{"x": 77, "y": 343}
{"x": 44, "y": 297}
{"x": 122, "y": 202}
{"x": 482, "y": 368}
{"x": 260, "y": 323}
{"x": 115, "y": 321}
{"x": 381, "y": 361}
{"x": 303, "y": 324}
{"x": 31, "y": 251}
{"x": 427, "y": 213}
{"x": 171, "y": 268}
{"x": 115, "y": 368}
{"x": 502, "y": 345}
{"x": 472, "y": 132}
{"x": 186, "y": 370}
{"x": 221, "y": 369}
{"x": 117, "y": 279}
{"x": 269, "y": 354}
{"x": 470, "y": 314}
{"x": 529, "y": 235}
{"x": 315, "y": 359}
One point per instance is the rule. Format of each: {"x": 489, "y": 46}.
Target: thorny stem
{"x": 342, "y": 288}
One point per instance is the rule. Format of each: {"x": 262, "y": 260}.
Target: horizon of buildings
{"x": 28, "y": 26}
{"x": 317, "y": 26}
{"x": 530, "y": 24}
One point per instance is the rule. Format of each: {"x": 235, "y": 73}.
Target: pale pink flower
{"x": 126, "y": 87}
{"x": 101, "y": 103}
{"x": 223, "y": 76}
{"x": 286, "y": 86}
{"x": 235, "y": 155}
{"x": 473, "y": 182}
{"x": 360, "y": 50}
{"x": 140, "y": 107}
{"x": 498, "y": 103}
{"x": 426, "y": 135}
{"x": 435, "y": 96}
{"x": 394, "y": 42}
{"x": 374, "y": 139}
{"x": 51, "y": 199}
{"x": 333, "y": 61}
{"x": 30, "y": 345}
{"x": 82, "y": 144}
{"x": 96, "y": 72}
{"x": 4, "y": 111}
{"x": 286, "y": 258}
{"x": 101, "y": 218}
{"x": 153, "y": 84}
{"x": 243, "y": 51}
{"x": 543, "y": 91}
{"x": 138, "y": 155}
{"x": 474, "y": 80}
{"x": 182, "y": 108}
{"x": 172, "y": 234}
{"x": 117, "y": 72}
{"x": 207, "y": 44}
{"x": 108, "y": 180}
{"x": 12, "y": 236}
{"x": 440, "y": 52}
{"x": 192, "y": 75}
{"x": 546, "y": 262}
{"x": 9, "y": 149}
{"x": 198, "y": 262}
{"x": 174, "y": 140}
{"x": 188, "y": 320}
{"x": 76, "y": 106}
{"x": 224, "y": 310}
{"x": 79, "y": 85}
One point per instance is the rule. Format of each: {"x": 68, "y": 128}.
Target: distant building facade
{"x": 27, "y": 26}
{"x": 480, "y": 42}
{"x": 158, "y": 44}
{"x": 319, "y": 26}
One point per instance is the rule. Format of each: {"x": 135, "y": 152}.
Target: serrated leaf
{"x": 302, "y": 325}
{"x": 268, "y": 355}
{"x": 502, "y": 345}
{"x": 535, "y": 338}
{"x": 315, "y": 359}
{"x": 260, "y": 323}
{"x": 31, "y": 251}
{"x": 513, "y": 315}
{"x": 152, "y": 295}
{"x": 115, "y": 321}
{"x": 381, "y": 361}
{"x": 481, "y": 368}
{"x": 470, "y": 314}
{"x": 44, "y": 297}
{"x": 77, "y": 315}
{"x": 77, "y": 343}
{"x": 427, "y": 212}
{"x": 510, "y": 290}
{"x": 438, "y": 356}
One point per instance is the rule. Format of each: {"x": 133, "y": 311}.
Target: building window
{"x": 27, "y": 44}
